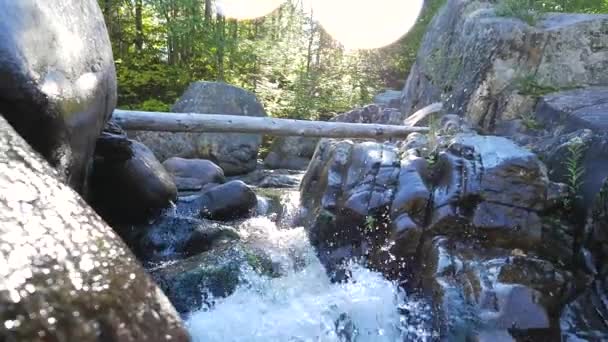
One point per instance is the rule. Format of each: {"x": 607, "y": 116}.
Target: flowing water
{"x": 303, "y": 304}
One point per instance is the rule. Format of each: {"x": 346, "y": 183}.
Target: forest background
{"x": 286, "y": 59}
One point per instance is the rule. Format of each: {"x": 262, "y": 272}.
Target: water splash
{"x": 303, "y": 304}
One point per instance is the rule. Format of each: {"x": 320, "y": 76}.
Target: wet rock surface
{"x": 235, "y": 153}
{"x": 229, "y": 201}
{"x": 55, "y": 92}
{"x": 199, "y": 280}
{"x": 129, "y": 185}
{"x": 196, "y": 251}
{"x": 463, "y": 223}
{"x": 585, "y": 317}
{"x": 172, "y": 238}
{"x": 65, "y": 275}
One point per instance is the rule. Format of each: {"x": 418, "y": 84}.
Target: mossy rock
{"x": 194, "y": 282}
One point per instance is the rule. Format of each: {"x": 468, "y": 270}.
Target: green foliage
{"x": 285, "y": 58}
{"x": 529, "y": 121}
{"x": 530, "y": 11}
{"x": 371, "y": 224}
{"x": 574, "y": 170}
{"x": 529, "y": 85}
{"x": 154, "y": 105}
{"x": 521, "y": 9}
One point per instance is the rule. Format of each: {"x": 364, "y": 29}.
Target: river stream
{"x": 303, "y": 305}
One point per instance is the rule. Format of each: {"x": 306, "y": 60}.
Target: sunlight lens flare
{"x": 247, "y": 9}
{"x": 365, "y": 24}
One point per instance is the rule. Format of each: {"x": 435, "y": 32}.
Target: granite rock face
{"x": 235, "y": 153}
{"x": 66, "y": 276}
{"x": 58, "y": 82}
{"x": 583, "y": 108}
{"x": 492, "y": 69}
{"x": 291, "y": 153}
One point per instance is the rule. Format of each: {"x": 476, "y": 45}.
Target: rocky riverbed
{"x": 493, "y": 226}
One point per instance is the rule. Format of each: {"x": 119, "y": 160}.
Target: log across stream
{"x": 219, "y": 123}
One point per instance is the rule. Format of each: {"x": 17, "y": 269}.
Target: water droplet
{"x": 30, "y": 288}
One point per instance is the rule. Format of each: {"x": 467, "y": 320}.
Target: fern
{"x": 370, "y": 224}
{"x": 574, "y": 170}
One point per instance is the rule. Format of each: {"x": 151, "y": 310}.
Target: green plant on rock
{"x": 529, "y": 85}
{"x": 528, "y": 119}
{"x": 574, "y": 170}
{"x": 371, "y": 224}
{"x": 530, "y": 11}
{"x": 521, "y": 9}
{"x": 433, "y": 134}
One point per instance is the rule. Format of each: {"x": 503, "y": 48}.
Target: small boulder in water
{"x": 193, "y": 174}
{"x": 233, "y": 200}
{"x": 129, "y": 185}
{"x": 194, "y": 282}
{"x": 171, "y": 238}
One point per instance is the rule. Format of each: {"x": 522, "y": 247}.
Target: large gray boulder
{"x": 65, "y": 275}
{"x": 291, "y": 153}
{"x": 492, "y": 69}
{"x": 388, "y": 98}
{"x": 58, "y": 83}
{"x": 234, "y": 153}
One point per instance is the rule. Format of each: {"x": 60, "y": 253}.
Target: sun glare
{"x": 364, "y": 24}
{"x": 247, "y": 9}
{"x": 357, "y": 24}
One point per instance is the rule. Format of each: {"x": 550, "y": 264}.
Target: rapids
{"x": 303, "y": 304}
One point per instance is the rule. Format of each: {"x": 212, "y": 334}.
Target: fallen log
{"x": 217, "y": 123}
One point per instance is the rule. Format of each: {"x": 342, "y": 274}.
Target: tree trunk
{"x": 208, "y": 10}
{"x": 139, "y": 26}
{"x": 177, "y": 122}
{"x": 107, "y": 12}
{"x": 221, "y": 48}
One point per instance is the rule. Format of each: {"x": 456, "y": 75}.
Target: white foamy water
{"x": 303, "y": 305}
